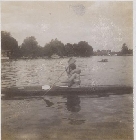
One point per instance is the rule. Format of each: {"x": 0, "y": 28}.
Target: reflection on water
{"x": 73, "y": 103}
{"x": 76, "y": 122}
{"x": 110, "y": 116}
{"x": 48, "y": 102}
{"x": 118, "y": 70}
{"x": 107, "y": 116}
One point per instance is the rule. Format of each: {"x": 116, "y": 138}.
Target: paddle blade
{"x": 49, "y": 103}
{"x": 46, "y": 87}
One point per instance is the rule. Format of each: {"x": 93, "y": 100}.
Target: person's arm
{"x": 78, "y": 71}
{"x": 67, "y": 71}
{"x": 71, "y": 80}
{"x": 72, "y": 77}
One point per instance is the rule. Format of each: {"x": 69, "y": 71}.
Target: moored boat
{"x": 55, "y": 56}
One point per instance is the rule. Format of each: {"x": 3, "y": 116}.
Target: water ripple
{"x": 43, "y": 71}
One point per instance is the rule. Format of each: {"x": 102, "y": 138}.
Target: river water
{"x": 117, "y": 71}
{"x": 68, "y": 117}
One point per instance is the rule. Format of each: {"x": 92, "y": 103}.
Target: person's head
{"x": 71, "y": 61}
{"x": 72, "y": 66}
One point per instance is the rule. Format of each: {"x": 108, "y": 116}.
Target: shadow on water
{"x": 76, "y": 122}
{"x": 73, "y": 106}
{"x": 73, "y": 103}
{"x": 28, "y": 98}
{"x": 48, "y": 102}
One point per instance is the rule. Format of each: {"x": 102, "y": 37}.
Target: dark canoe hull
{"x": 38, "y": 91}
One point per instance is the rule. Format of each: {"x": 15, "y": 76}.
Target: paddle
{"x": 48, "y": 88}
{"x": 49, "y": 103}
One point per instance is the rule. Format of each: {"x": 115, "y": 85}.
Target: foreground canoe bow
{"x": 63, "y": 90}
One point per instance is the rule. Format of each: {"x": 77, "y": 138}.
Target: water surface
{"x": 68, "y": 117}
{"x": 117, "y": 71}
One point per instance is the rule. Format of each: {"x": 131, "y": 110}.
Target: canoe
{"x": 56, "y": 90}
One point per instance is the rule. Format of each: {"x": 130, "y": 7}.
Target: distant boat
{"x": 103, "y": 60}
{"x": 55, "y": 56}
{"x": 4, "y": 58}
{"x": 5, "y": 54}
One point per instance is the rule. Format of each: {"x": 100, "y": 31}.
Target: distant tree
{"x": 40, "y": 52}
{"x": 54, "y": 47}
{"x": 76, "y": 49}
{"x": 30, "y": 47}
{"x": 84, "y": 49}
{"x": 9, "y": 43}
{"x": 69, "y": 49}
{"x": 124, "y": 49}
{"x": 47, "y": 50}
{"x": 130, "y": 51}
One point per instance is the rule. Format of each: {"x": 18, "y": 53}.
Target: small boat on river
{"x": 103, "y": 60}
{"x": 55, "y": 56}
{"x": 64, "y": 90}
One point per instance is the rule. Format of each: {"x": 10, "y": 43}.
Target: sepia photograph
{"x": 67, "y": 70}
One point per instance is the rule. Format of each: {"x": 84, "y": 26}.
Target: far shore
{"x": 8, "y": 58}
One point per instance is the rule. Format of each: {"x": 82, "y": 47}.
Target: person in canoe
{"x": 73, "y": 74}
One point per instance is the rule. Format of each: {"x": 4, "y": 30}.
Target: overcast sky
{"x": 104, "y": 25}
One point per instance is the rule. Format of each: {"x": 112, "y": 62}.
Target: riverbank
{"x": 59, "y": 57}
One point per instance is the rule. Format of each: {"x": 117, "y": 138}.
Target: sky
{"x": 104, "y": 25}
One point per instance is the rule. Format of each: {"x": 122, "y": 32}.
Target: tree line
{"x": 30, "y": 48}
